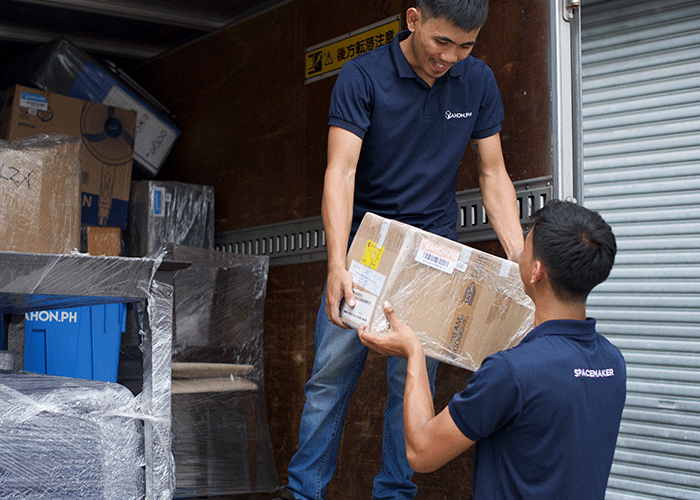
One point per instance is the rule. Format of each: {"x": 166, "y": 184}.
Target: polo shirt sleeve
{"x": 351, "y": 100}
{"x": 491, "y": 399}
{"x": 491, "y": 114}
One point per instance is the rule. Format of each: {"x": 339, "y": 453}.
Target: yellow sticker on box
{"x": 372, "y": 255}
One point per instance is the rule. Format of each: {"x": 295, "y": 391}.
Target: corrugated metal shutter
{"x": 641, "y": 106}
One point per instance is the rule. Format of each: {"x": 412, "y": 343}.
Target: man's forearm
{"x": 498, "y": 195}
{"x": 338, "y": 193}
{"x": 500, "y": 202}
{"x": 337, "y": 218}
{"x": 418, "y": 405}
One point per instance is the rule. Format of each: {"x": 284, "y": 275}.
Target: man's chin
{"x": 437, "y": 72}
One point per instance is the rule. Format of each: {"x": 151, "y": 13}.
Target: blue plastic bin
{"x": 81, "y": 342}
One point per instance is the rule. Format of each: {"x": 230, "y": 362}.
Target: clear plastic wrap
{"x": 162, "y": 212}
{"x": 464, "y": 304}
{"x": 53, "y": 66}
{"x": 88, "y": 425}
{"x": 66, "y": 438}
{"x": 155, "y": 399}
{"x": 221, "y": 439}
{"x": 40, "y": 192}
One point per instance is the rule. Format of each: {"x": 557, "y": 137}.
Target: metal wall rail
{"x": 304, "y": 240}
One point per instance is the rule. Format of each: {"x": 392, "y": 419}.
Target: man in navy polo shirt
{"x": 401, "y": 117}
{"x": 545, "y": 414}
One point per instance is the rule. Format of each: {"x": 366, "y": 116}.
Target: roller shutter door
{"x": 641, "y": 123}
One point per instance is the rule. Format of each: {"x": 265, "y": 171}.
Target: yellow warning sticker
{"x": 372, "y": 255}
{"x": 327, "y": 58}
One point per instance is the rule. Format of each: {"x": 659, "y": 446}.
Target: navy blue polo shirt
{"x": 545, "y": 415}
{"x": 414, "y": 135}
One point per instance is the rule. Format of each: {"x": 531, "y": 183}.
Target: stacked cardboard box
{"x": 462, "y": 303}
{"x": 61, "y": 67}
{"x": 106, "y": 157}
{"x": 40, "y": 191}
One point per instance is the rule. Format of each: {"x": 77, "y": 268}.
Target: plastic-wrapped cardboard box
{"x": 69, "y": 438}
{"x": 463, "y": 304}
{"x": 163, "y": 212}
{"x": 108, "y": 145}
{"x": 40, "y": 192}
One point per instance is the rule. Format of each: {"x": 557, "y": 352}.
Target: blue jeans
{"x": 340, "y": 358}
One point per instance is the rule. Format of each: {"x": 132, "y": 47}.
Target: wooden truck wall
{"x": 253, "y": 129}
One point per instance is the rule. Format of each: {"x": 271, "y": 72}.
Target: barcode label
{"x": 437, "y": 256}
{"x": 434, "y": 259}
{"x": 33, "y": 101}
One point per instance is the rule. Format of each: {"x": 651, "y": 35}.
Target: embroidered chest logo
{"x": 449, "y": 115}
{"x": 588, "y": 373}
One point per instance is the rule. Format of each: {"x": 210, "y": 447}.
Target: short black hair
{"x": 575, "y": 245}
{"x": 465, "y": 14}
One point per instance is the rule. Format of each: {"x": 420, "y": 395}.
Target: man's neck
{"x": 551, "y": 308}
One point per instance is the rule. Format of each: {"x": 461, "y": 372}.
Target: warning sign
{"x": 327, "y": 58}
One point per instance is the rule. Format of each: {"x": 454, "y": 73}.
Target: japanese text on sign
{"x": 327, "y": 58}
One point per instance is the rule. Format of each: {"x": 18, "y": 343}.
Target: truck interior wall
{"x": 255, "y": 131}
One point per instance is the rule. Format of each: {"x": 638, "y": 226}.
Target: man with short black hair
{"x": 400, "y": 119}
{"x": 545, "y": 414}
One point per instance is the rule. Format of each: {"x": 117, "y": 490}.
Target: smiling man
{"x": 400, "y": 119}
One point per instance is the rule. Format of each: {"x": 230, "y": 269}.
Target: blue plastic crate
{"x": 81, "y": 342}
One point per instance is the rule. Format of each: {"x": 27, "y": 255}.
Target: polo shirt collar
{"x": 403, "y": 67}
{"x": 567, "y": 327}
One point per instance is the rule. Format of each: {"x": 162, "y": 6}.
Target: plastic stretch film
{"x": 221, "y": 439}
{"x": 163, "y": 212}
{"x": 66, "y": 438}
{"x": 40, "y": 192}
{"x": 462, "y": 303}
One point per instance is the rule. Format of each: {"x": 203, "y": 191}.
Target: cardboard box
{"x": 108, "y": 145}
{"x": 66, "y": 437}
{"x": 40, "y": 192}
{"x": 101, "y": 240}
{"x": 62, "y": 67}
{"x": 463, "y": 304}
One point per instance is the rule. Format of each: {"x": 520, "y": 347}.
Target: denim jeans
{"x": 340, "y": 358}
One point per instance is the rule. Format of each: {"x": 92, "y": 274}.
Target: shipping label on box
{"x": 107, "y": 134}
{"x": 40, "y": 190}
{"x": 463, "y": 304}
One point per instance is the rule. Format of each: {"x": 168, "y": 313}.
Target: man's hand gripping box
{"x": 464, "y": 304}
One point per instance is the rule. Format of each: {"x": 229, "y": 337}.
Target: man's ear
{"x": 538, "y": 272}
{"x": 412, "y": 18}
